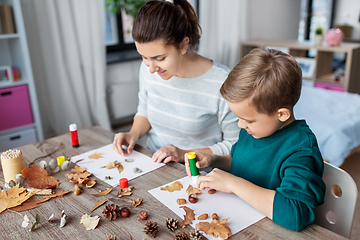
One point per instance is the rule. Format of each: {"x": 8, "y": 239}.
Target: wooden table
{"x": 74, "y": 206}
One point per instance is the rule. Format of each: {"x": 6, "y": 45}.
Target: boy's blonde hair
{"x": 268, "y": 78}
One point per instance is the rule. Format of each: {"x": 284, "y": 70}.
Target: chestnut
{"x": 125, "y": 212}
{"x": 193, "y": 198}
{"x": 143, "y": 215}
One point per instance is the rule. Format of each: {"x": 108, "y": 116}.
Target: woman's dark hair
{"x": 171, "y": 22}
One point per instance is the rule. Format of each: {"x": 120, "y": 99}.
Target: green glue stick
{"x": 193, "y": 169}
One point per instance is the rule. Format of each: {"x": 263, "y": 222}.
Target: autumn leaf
{"x": 192, "y": 190}
{"x": 78, "y": 175}
{"x": 58, "y": 194}
{"x": 126, "y": 192}
{"x": 136, "y": 202}
{"x": 39, "y": 178}
{"x": 7, "y": 202}
{"x": 103, "y": 193}
{"x": 98, "y": 204}
{"x": 78, "y": 170}
{"x": 216, "y": 228}
{"x": 189, "y": 217}
{"x": 89, "y": 222}
{"x": 29, "y": 205}
{"x": 96, "y": 155}
{"x": 120, "y": 167}
{"x": 175, "y": 186}
{"x": 15, "y": 191}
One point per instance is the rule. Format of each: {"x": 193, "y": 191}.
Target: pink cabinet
{"x": 15, "y": 107}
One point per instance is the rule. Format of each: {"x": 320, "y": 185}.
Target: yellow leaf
{"x": 98, "y": 204}
{"x": 120, "y": 167}
{"x": 96, "y": 155}
{"x": 103, "y": 193}
{"x": 175, "y": 186}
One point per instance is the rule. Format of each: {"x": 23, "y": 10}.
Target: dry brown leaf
{"x": 103, "y": 193}
{"x": 189, "y": 217}
{"x": 39, "y": 178}
{"x": 78, "y": 169}
{"x": 98, "y": 204}
{"x": 15, "y": 191}
{"x": 83, "y": 180}
{"x": 75, "y": 176}
{"x": 136, "y": 202}
{"x": 110, "y": 165}
{"x": 90, "y": 183}
{"x": 58, "y": 194}
{"x": 192, "y": 190}
{"x": 96, "y": 155}
{"x": 19, "y": 200}
{"x": 126, "y": 192}
{"x": 120, "y": 167}
{"x": 175, "y": 186}
{"x": 29, "y": 205}
{"x": 89, "y": 222}
{"x": 115, "y": 164}
{"x": 216, "y": 228}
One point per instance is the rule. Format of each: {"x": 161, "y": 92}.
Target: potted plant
{"x": 318, "y": 38}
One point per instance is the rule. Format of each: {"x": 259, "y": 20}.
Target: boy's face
{"x": 165, "y": 60}
{"x": 257, "y": 124}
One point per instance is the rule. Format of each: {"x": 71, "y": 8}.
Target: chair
{"x": 337, "y": 212}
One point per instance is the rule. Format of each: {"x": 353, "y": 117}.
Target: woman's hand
{"x": 124, "y": 139}
{"x": 167, "y": 154}
{"x": 217, "y": 179}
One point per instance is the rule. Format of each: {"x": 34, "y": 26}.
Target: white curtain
{"x": 223, "y": 26}
{"x": 67, "y": 51}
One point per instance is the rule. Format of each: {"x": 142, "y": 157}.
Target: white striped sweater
{"x": 188, "y": 113}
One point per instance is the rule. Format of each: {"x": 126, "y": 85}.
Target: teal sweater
{"x": 289, "y": 162}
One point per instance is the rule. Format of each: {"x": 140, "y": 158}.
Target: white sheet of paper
{"x": 95, "y": 166}
{"x": 226, "y": 205}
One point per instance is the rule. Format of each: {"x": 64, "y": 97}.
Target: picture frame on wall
{"x": 307, "y": 66}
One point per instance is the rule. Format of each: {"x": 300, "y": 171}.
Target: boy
{"x": 275, "y": 165}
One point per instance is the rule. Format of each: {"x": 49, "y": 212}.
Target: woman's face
{"x": 163, "y": 59}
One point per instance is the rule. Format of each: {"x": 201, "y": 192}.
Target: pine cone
{"x": 172, "y": 224}
{"x": 111, "y": 212}
{"x": 151, "y": 228}
{"x": 196, "y": 235}
{"x": 181, "y": 236}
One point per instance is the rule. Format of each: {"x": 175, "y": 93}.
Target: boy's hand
{"x": 124, "y": 139}
{"x": 203, "y": 160}
{"x": 217, "y": 179}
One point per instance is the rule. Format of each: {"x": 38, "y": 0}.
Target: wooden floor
{"x": 352, "y": 166}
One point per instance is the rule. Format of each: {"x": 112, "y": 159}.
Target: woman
{"x": 180, "y": 107}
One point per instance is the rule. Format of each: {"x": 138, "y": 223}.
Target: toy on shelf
{"x": 9, "y": 73}
{"x": 333, "y": 37}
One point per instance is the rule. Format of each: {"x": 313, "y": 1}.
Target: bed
{"x": 334, "y": 117}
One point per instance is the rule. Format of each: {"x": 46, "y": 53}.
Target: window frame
{"x": 127, "y": 51}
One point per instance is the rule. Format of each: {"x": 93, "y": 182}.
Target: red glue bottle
{"x": 74, "y": 135}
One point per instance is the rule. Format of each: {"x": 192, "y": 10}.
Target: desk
{"x": 95, "y": 137}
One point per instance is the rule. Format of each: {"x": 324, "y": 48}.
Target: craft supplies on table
{"x": 133, "y": 165}
{"x": 12, "y": 162}
{"x": 226, "y": 205}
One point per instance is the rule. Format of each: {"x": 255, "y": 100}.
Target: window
{"x": 315, "y": 13}
{"x": 119, "y": 43}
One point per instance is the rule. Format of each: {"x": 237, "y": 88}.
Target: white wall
{"x": 347, "y": 12}
{"x": 123, "y": 86}
{"x": 273, "y": 20}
